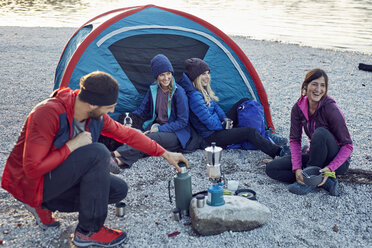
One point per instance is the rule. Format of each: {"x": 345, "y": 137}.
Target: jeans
{"x": 323, "y": 149}
{"x": 83, "y": 183}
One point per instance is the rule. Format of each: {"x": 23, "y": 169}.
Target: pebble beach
{"x": 28, "y": 59}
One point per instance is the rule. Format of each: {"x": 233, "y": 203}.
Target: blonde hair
{"x": 207, "y": 91}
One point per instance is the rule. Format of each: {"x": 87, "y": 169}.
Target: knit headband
{"x": 98, "y": 98}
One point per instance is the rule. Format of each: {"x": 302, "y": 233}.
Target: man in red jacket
{"x": 57, "y": 163}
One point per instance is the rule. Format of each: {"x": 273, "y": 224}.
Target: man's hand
{"x": 82, "y": 139}
{"x": 174, "y": 158}
{"x": 299, "y": 177}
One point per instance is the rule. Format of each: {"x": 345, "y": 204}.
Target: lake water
{"x": 335, "y": 24}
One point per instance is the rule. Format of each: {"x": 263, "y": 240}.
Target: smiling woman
{"x": 330, "y": 141}
{"x": 315, "y": 91}
{"x": 165, "y": 111}
{"x": 315, "y": 87}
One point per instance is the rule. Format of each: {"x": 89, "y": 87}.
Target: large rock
{"x": 238, "y": 214}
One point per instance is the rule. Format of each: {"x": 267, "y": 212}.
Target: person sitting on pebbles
{"x": 207, "y": 117}
{"x": 330, "y": 141}
{"x": 57, "y": 163}
{"x": 165, "y": 111}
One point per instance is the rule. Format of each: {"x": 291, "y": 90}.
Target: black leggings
{"x": 323, "y": 149}
{"x": 238, "y": 135}
{"x": 130, "y": 155}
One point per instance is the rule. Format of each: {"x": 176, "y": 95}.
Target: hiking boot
{"x": 280, "y": 141}
{"x": 332, "y": 186}
{"x": 43, "y": 217}
{"x": 300, "y": 189}
{"x": 121, "y": 163}
{"x": 286, "y": 151}
{"x": 114, "y": 164}
{"x": 114, "y": 167}
{"x": 105, "y": 237}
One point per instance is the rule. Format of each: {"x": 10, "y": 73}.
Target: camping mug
{"x": 177, "y": 214}
{"x": 120, "y": 209}
{"x": 200, "y": 200}
{"x": 227, "y": 123}
{"x": 232, "y": 185}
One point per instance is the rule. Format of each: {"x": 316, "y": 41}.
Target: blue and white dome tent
{"x": 122, "y": 42}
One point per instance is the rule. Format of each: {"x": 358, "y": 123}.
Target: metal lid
{"x": 182, "y": 167}
{"x": 213, "y": 149}
{"x": 200, "y": 197}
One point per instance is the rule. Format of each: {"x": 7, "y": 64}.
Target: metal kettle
{"x": 213, "y": 154}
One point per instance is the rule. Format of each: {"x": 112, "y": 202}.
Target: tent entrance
{"x": 135, "y": 53}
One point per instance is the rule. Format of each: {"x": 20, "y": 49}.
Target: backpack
{"x": 250, "y": 114}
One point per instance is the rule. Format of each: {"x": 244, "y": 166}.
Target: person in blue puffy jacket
{"x": 207, "y": 117}
{"x": 165, "y": 111}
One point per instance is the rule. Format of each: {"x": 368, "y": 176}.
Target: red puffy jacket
{"x": 41, "y": 146}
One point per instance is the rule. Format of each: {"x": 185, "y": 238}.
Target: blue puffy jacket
{"x": 204, "y": 119}
{"x": 178, "y": 113}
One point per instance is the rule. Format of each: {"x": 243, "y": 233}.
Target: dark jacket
{"x": 328, "y": 116}
{"x": 205, "y": 119}
{"x": 178, "y": 113}
{"x": 42, "y": 147}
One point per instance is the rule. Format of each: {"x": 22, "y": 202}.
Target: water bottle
{"x": 182, "y": 188}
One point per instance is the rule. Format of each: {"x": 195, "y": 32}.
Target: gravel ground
{"x": 28, "y": 58}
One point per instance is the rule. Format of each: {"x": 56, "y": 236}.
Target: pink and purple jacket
{"x": 328, "y": 116}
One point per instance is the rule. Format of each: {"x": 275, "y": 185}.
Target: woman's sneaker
{"x": 43, "y": 217}
{"x": 285, "y": 151}
{"x": 280, "y": 141}
{"x": 105, "y": 237}
{"x": 300, "y": 189}
{"x": 332, "y": 186}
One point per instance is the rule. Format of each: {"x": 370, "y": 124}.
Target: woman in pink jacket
{"x": 330, "y": 143}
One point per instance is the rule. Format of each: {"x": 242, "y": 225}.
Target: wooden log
{"x": 357, "y": 176}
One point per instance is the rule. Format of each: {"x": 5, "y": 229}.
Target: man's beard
{"x": 95, "y": 114}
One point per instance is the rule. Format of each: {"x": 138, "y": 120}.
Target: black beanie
{"x": 195, "y": 67}
{"x": 99, "y": 88}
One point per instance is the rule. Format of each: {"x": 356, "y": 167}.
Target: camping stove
{"x": 215, "y": 191}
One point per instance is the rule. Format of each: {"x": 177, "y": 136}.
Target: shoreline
{"x": 28, "y": 60}
{"x": 248, "y": 37}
